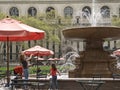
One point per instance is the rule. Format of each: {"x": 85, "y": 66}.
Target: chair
{"x": 2, "y": 78}
{"x": 41, "y": 74}
{"x": 116, "y": 76}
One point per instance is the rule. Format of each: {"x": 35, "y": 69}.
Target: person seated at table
{"x": 38, "y": 72}
{"x": 18, "y": 71}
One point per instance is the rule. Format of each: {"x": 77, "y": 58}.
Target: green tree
{"x": 42, "y": 25}
{"x": 116, "y": 21}
{"x": 49, "y": 28}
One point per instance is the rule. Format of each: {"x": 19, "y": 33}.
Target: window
{"x": 32, "y": 11}
{"x": 105, "y": 12}
{"x": 50, "y": 13}
{"x": 14, "y": 11}
{"x": 86, "y": 11}
{"x": 68, "y": 12}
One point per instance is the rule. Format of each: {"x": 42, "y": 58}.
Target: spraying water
{"x": 93, "y": 16}
{"x": 69, "y": 62}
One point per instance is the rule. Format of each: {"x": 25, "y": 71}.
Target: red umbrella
{"x": 41, "y": 59}
{"x": 13, "y": 30}
{"x": 117, "y": 52}
{"x": 38, "y": 51}
{"x": 56, "y": 59}
{"x": 62, "y": 59}
{"x": 51, "y": 59}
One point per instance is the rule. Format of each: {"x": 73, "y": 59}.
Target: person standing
{"x": 24, "y": 60}
{"x": 53, "y": 80}
{"x": 38, "y": 72}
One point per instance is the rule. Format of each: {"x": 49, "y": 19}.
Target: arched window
{"x": 50, "y": 13}
{"x": 68, "y": 12}
{"x": 32, "y": 11}
{"x": 86, "y": 12}
{"x": 14, "y": 11}
{"x": 105, "y": 11}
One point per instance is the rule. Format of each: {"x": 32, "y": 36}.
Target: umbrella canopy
{"x": 40, "y": 59}
{"x": 13, "y": 30}
{"x": 51, "y": 59}
{"x": 38, "y": 51}
{"x": 117, "y": 52}
{"x": 54, "y": 59}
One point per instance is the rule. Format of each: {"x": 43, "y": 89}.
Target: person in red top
{"x": 18, "y": 70}
{"x": 53, "y": 73}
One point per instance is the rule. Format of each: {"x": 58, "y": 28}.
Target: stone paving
{"x": 66, "y": 83}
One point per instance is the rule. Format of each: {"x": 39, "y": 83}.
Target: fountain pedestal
{"x": 94, "y": 60}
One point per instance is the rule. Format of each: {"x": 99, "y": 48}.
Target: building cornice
{"x": 55, "y": 1}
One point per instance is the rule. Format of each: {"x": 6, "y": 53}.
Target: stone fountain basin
{"x": 92, "y": 33}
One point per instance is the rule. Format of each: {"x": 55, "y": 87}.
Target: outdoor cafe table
{"x": 91, "y": 84}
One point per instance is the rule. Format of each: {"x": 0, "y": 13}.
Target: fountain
{"x": 69, "y": 62}
{"x": 94, "y": 60}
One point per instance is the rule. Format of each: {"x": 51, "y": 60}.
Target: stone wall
{"x": 73, "y": 85}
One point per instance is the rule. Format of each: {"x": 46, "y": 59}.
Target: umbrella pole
{"x": 37, "y": 65}
{"x": 8, "y": 76}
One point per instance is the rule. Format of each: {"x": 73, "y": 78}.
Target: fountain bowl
{"x": 92, "y": 32}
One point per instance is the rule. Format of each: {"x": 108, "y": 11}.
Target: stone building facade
{"x": 63, "y": 9}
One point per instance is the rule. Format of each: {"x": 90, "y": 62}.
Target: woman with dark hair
{"x": 24, "y": 60}
{"x": 53, "y": 73}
